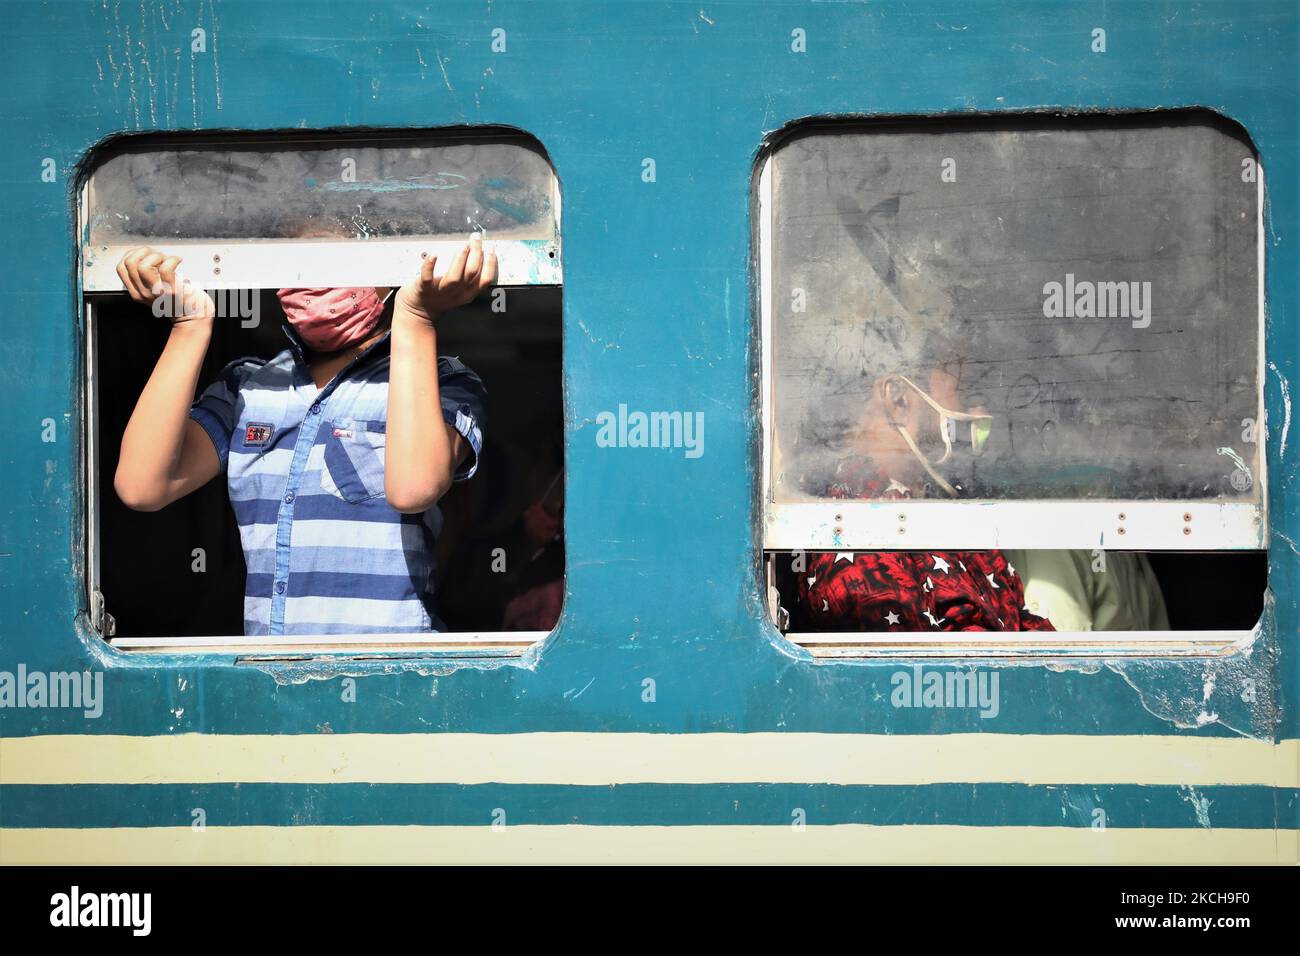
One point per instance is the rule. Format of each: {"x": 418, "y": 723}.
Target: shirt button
{"x": 315, "y": 409}
{"x": 279, "y": 587}
{"x": 288, "y": 499}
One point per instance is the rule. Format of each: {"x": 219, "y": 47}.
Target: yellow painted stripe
{"x": 849, "y": 843}
{"x": 598, "y": 759}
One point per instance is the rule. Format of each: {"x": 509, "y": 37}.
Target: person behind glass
{"x": 911, "y": 428}
{"x": 336, "y": 451}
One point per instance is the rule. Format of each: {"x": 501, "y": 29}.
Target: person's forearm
{"x": 155, "y": 435}
{"x": 417, "y": 454}
{"x": 421, "y": 450}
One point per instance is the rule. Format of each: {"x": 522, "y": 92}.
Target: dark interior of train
{"x": 1202, "y": 590}
{"x": 502, "y": 535}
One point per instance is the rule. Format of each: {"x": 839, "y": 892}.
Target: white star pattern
{"x": 933, "y": 621}
{"x": 962, "y": 565}
{"x": 929, "y": 585}
{"x": 992, "y": 582}
{"x": 896, "y": 485}
{"x": 891, "y": 618}
{"x": 812, "y": 581}
{"x": 844, "y": 556}
{"x": 1011, "y": 567}
{"x": 940, "y": 564}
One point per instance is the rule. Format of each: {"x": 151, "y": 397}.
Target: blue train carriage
{"x": 764, "y": 208}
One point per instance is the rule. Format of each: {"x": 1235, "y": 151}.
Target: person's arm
{"x": 422, "y": 450}
{"x": 165, "y": 455}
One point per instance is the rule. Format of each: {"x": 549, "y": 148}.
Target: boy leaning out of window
{"x": 336, "y": 451}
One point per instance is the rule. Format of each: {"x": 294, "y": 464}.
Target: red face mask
{"x": 332, "y": 319}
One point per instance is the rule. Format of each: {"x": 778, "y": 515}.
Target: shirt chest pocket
{"x": 354, "y": 460}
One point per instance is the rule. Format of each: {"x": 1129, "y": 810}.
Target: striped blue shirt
{"x": 326, "y": 553}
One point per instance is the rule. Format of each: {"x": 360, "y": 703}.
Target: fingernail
{"x": 477, "y": 237}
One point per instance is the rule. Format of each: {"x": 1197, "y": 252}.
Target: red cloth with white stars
{"x": 915, "y": 591}
{"x": 910, "y": 590}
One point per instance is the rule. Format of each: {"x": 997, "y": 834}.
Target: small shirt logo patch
{"x": 257, "y": 433}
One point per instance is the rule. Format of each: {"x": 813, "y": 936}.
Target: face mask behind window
{"x": 980, "y": 428}
{"x": 332, "y": 319}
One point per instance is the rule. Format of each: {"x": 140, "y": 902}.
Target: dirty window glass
{"x": 271, "y": 191}
{"x": 1087, "y": 290}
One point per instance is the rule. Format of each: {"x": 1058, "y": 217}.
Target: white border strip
{"x": 976, "y": 525}
{"x": 90, "y": 430}
{"x": 296, "y": 263}
{"x": 1031, "y": 645}
{"x": 766, "y": 333}
{"x": 333, "y": 643}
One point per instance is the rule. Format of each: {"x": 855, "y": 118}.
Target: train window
{"x": 1039, "y": 333}
{"x": 328, "y": 565}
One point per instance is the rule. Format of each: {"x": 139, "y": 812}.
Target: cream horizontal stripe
{"x": 847, "y": 843}
{"x": 597, "y": 759}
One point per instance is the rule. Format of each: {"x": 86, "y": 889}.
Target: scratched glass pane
{"x": 353, "y": 191}
{"x": 1094, "y": 288}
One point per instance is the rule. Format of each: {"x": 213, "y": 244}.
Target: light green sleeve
{"x": 1058, "y": 586}
{"x": 1092, "y": 591}
{"x": 1131, "y": 599}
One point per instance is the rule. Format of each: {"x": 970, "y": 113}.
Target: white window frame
{"x": 258, "y": 263}
{"x": 1043, "y": 646}
{"x": 981, "y": 524}
{"x": 303, "y": 264}
{"x": 480, "y": 643}
{"x": 271, "y": 264}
